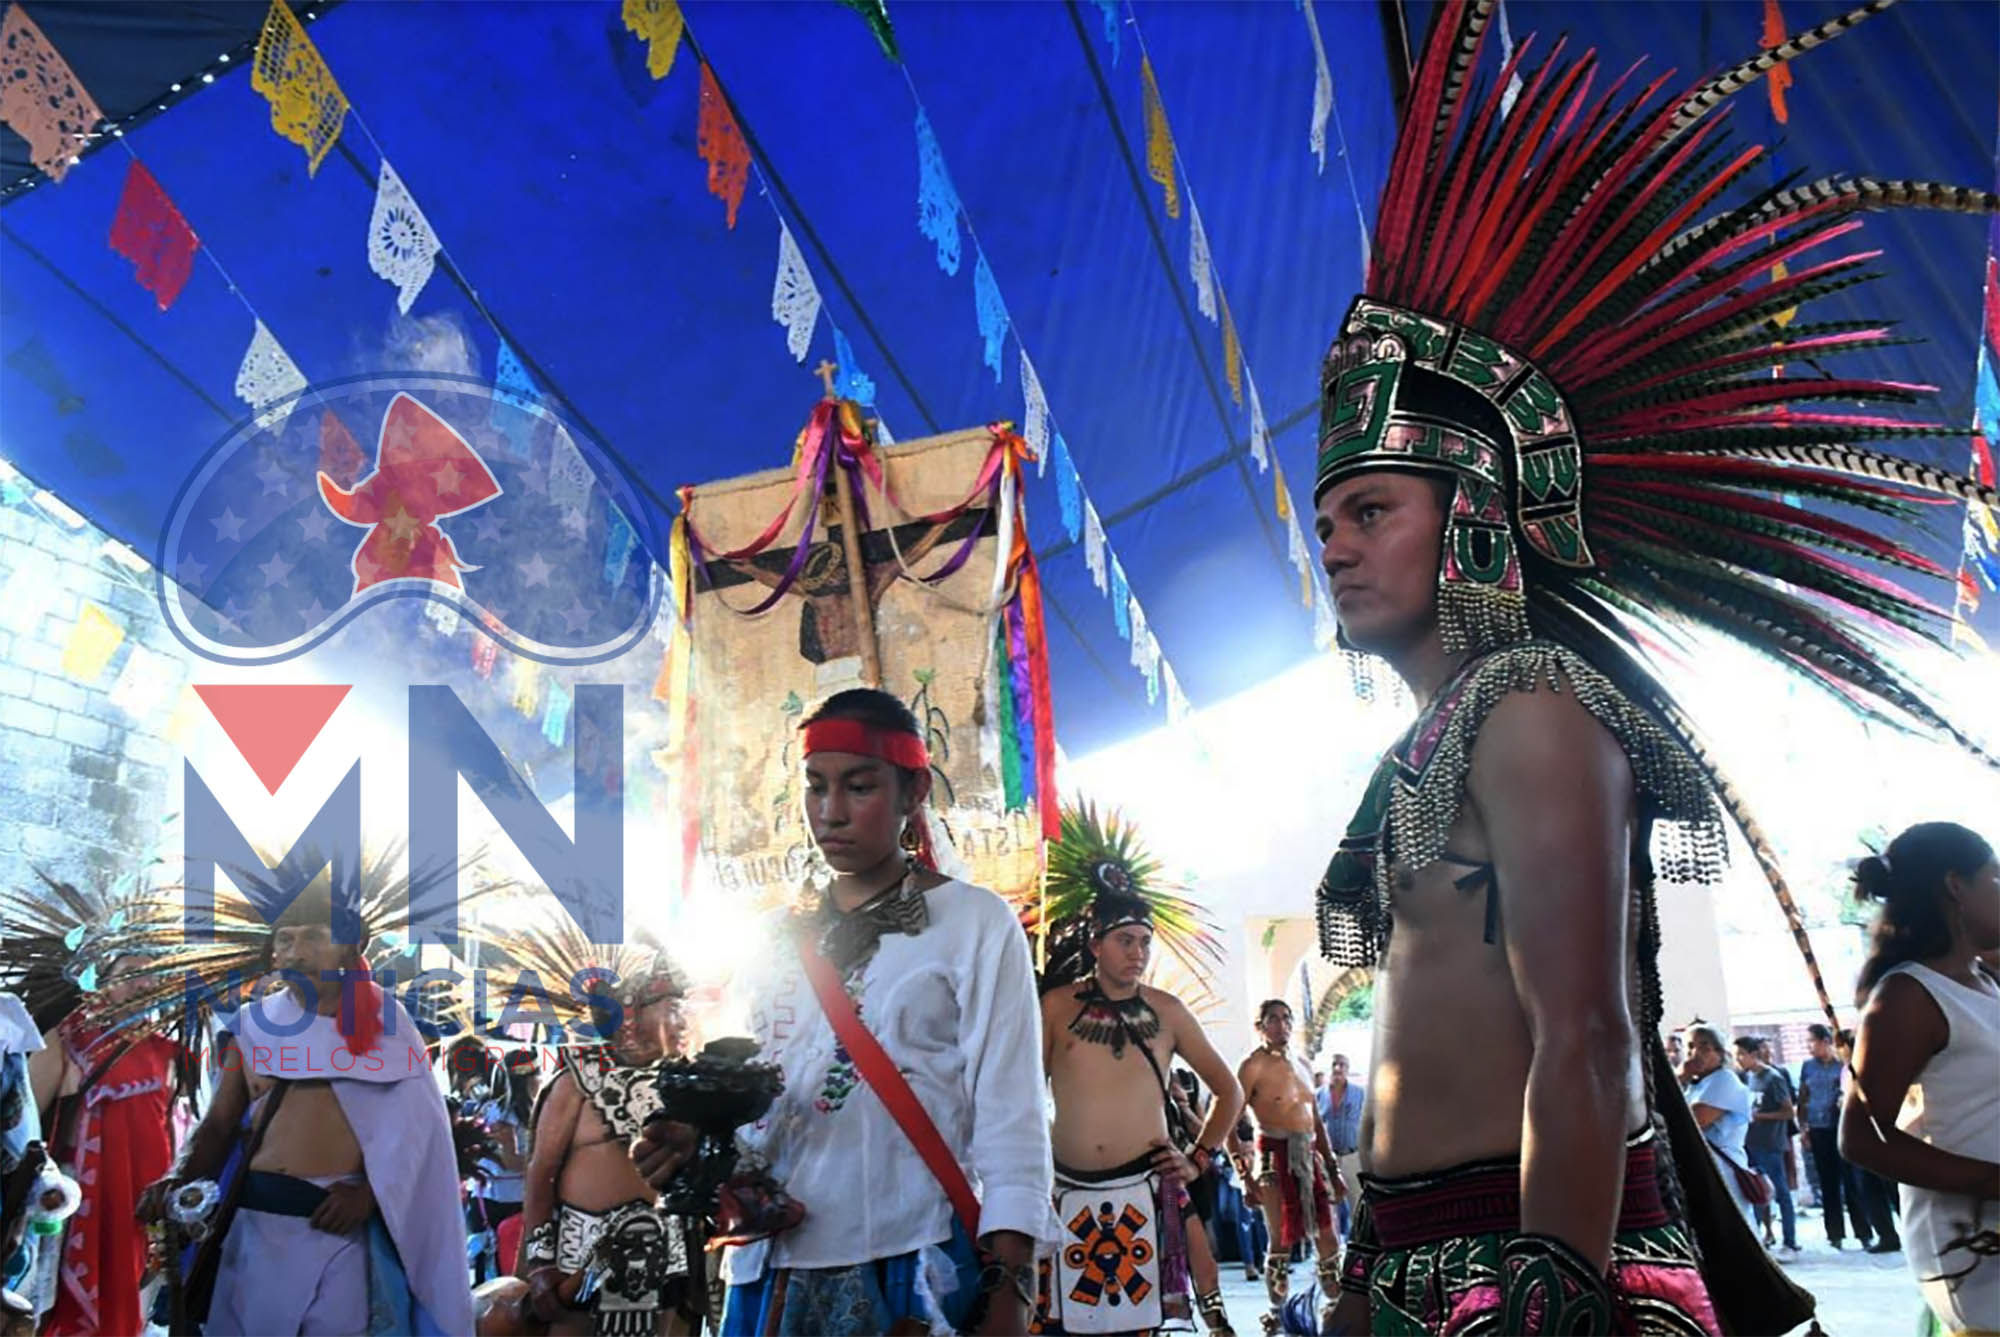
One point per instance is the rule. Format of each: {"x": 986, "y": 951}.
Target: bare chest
{"x": 1106, "y": 1070}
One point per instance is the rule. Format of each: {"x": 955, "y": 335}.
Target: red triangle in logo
{"x": 272, "y": 724}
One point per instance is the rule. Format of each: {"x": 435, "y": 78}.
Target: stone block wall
{"x": 85, "y": 781}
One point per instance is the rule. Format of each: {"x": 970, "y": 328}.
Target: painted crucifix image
{"x": 827, "y": 629}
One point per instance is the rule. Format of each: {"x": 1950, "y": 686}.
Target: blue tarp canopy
{"x": 566, "y": 187}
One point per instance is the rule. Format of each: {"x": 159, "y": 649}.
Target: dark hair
{"x": 523, "y": 1078}
{"x": 1907, "y": 882}
{"x": 1749, "y": 1042}
{"x": 1264, "y": 1008}
{"x": 870, "y": 706}
{"x": 1111, "y": 907}
{"x": 468, "y": 1056}
{"x": 1819, "y": 1031}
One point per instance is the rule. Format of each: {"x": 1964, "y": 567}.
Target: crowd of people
{"x": 1775, "y": 1136}
{"x": 360, "y": 1181}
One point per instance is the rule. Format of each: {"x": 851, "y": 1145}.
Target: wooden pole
{"x": 850, "y": 543}
{"x": 857, "y": 580}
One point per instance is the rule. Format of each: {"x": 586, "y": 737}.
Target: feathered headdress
{"x": 227, "y": 961}
{"x": 60, "y": 940}
{"x": 557, "y": 976}
{"x": 1100, "y": 877}
{"x": 1565, "y": 320}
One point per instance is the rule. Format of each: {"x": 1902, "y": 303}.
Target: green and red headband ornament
{"x": 1404, "y": 391}
{"x": 1590, "y": 309}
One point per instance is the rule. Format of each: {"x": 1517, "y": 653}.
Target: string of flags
{"x": 150, "y": 232}
{"x": 940, "y": 215}
{"x": 797, "y": 306}
{"x": 1165, "y": 165}
{"x": 31, "y": 591}
{"x": 309, "y": 108}
{"x": 1325, "y": 109}
{"x": 41, "y": 97}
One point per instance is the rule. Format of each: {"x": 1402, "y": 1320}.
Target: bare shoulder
{"x": 1171, "y": 1010}
{"x": 564, "y": 1093}
{"x": 1543, "y": 745}
{"x": 1055, "y": 1002}
{"x": 1542, "y": 728}
{"x": 1904, "y": 1009}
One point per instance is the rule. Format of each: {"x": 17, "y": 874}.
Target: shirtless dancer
{"x": 348, "y": 1218}
{"x": 1297, "y": 1179}
{"x": 581, "y": 1180}
{"x": 1107, "y": 1042}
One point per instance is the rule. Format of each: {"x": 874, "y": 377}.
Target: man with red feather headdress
{"x": 1555, "y": 426}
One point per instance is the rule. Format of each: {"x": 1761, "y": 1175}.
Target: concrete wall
{"x": 84, "y": 781}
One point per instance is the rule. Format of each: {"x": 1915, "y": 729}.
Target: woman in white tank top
{"x": 1926, "y": 1109}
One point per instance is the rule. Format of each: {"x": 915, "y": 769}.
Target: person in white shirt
{"x": 1922, "y": 1112}
{"x": 938, "y": 972}
{"x": 1721, "y": 1106}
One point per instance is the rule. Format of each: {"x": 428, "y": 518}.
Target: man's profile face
{"x": 1380, "y": 536}
{"x": 651, "y": 1032}
{"x": 1123, "y": 955}
{"x": 309, "y": 950}
{"x": 1748, "y": 1058}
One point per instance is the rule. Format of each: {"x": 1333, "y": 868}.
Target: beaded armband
{"x": 539, "y": 1245}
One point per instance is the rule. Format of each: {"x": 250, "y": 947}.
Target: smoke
{"x": 436, "y": 343}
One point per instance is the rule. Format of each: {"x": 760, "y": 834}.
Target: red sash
{"x": 890, "y": 1087}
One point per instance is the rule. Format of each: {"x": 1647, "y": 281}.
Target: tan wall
{"x": 1691, "y": 976}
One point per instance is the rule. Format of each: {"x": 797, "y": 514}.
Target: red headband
{"x": 866, "y": 740}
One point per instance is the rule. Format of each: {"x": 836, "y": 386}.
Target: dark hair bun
{"x": 1872, "y": 880}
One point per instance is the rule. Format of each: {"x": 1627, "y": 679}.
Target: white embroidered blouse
{"x": 955, "y": 1007}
